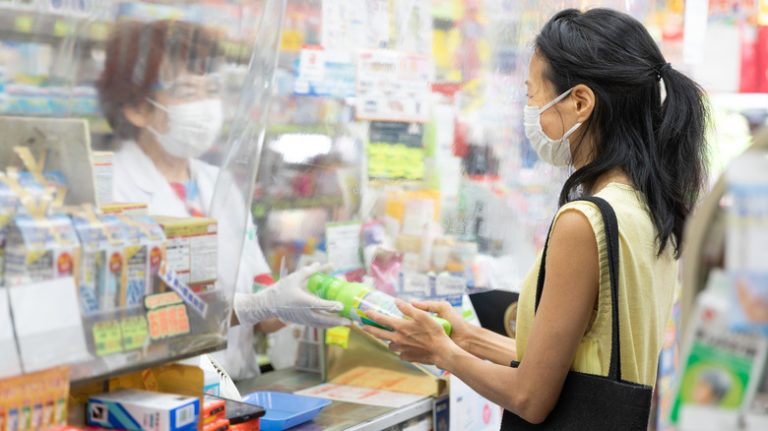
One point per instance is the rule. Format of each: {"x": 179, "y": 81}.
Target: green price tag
{"x": 135, "y": 332}
{"x": 23, "y": 24}
{"x": 107, "y": 338}
{"x": 61, "y": 28}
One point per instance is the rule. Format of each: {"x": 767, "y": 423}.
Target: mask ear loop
{"x": 157, "y": 105}
{"x": 556, "y": 100}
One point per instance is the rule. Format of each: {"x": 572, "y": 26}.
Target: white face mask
{"x": 556, "y": 152}
{"x": 192, "y": 127}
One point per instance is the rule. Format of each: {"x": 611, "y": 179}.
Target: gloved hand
{"x": 290, "y": 301}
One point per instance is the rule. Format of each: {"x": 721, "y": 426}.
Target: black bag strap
{"x": 612, "y": 240}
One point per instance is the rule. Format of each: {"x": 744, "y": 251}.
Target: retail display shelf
{"x": 278, "y": 204}
{"x": 49, "y": 27}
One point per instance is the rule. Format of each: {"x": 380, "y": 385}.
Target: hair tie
{"x": 662, "y": 70}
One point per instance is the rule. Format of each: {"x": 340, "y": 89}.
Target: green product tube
{"x": 358, "y": 299}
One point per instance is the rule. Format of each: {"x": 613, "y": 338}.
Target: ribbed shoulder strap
{"x": 612, "y": 240}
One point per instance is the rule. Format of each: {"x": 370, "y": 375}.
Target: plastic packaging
{"x": 358, "y": 299}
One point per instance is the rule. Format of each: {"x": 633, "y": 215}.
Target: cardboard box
{"x": 132, "y": 409}
{"x": 367, "y": 362}
{"x": 192, "y": 250}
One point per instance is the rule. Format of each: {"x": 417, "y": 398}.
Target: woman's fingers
{"x": 440, "y": 308}
{"x": 410, "y": 311}
{"x": 383, "y": 320}
{"x": 379, "y": 333}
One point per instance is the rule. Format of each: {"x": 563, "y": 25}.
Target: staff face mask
{"x": 192, "y": 127}
{"x": 556, "y": 152}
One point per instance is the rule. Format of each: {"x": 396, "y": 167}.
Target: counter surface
{"x": 339, "y": 415}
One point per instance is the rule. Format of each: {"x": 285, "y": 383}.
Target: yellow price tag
{"x": 23, "y": 23}
{"x": 291, "y": 41}
{"x": 135, "y": 332}
{"x": 338, "y": 336}
{"x": 107, "y": 337}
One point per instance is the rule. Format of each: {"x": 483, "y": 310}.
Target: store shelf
{"x": 260, "y": 208}
{"x": 47, "y": 27}
{"x": 52, "y": 28}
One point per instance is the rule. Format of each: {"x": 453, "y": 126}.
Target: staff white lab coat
{"x": 136, "y": 179}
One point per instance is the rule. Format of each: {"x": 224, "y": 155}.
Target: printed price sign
{"x": 134, "y": 330}
{"x": 159, "y": 300}
{"x": 107, "y": 337}
{"x": 23, "y": 24}
{"x": 61, "y": 28}
{"x": 168, "y": 322}
{"x": 395, "y": 151}
{"x": 394, "y": 86}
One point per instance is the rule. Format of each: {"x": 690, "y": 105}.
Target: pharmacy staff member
{"x": 161, "y": 97}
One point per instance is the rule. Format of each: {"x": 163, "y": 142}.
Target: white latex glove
{"x": 290, "y": 301}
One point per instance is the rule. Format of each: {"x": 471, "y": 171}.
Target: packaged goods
{"x": 142, "y": 410}
{"x": 358, "y": 299}
{"x": 144, "y": 253}
{"x": 102, "y": 263}
{"x": 192, "y": 250}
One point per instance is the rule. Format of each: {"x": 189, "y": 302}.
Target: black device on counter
{"x": 491, "y": 307}
{"x": 238, "y": 412}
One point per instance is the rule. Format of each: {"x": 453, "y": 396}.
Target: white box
{"x": 143, "y": 410}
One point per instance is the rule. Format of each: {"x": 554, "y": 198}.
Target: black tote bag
{"x": 587, "y": 401}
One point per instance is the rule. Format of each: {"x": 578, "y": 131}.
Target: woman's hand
{"x": 460, "y": 329}
{"x": 417, "y": 339}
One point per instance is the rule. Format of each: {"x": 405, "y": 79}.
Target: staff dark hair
{"x": 660, "y": 145}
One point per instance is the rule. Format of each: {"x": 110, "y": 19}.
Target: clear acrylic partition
{"x": 341, "y": 138}
{"x": 180, "y": 92}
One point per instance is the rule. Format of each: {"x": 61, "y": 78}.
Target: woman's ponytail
{"x": 681, "y": 149}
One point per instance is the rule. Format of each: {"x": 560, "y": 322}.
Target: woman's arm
{"x": 478, "y": 341}
{"x": 566, "y": 306}
{"x": 490, "y": 346}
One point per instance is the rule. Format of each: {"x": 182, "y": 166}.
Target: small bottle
{"x": 358, "y": 299}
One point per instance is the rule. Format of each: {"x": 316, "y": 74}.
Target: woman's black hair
{"x": 660, "y": 145}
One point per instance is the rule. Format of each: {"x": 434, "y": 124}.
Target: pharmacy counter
{"x": 339, "y": 415}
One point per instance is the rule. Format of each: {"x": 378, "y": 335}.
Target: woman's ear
{"x": 138, "y": 115}
{"x": 584, "y": 99}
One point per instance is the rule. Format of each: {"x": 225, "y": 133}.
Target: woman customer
{"x": 595, "y": 101}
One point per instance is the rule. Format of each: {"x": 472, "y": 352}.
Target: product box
{"x": 131, "y": 409}
{"x": 103, "y": 173}
{"x": 102, "y": 262}
{"x": 719, "y": 369}
{"x": 9, "y": 201}
{"x": 35, "y": 401}
{"x": 144, "y": 253}
{"x": 40, "y": 249}
{"x": 192, "y": 250}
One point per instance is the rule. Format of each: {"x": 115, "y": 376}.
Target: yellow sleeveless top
{"x": 647, "y": 284}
